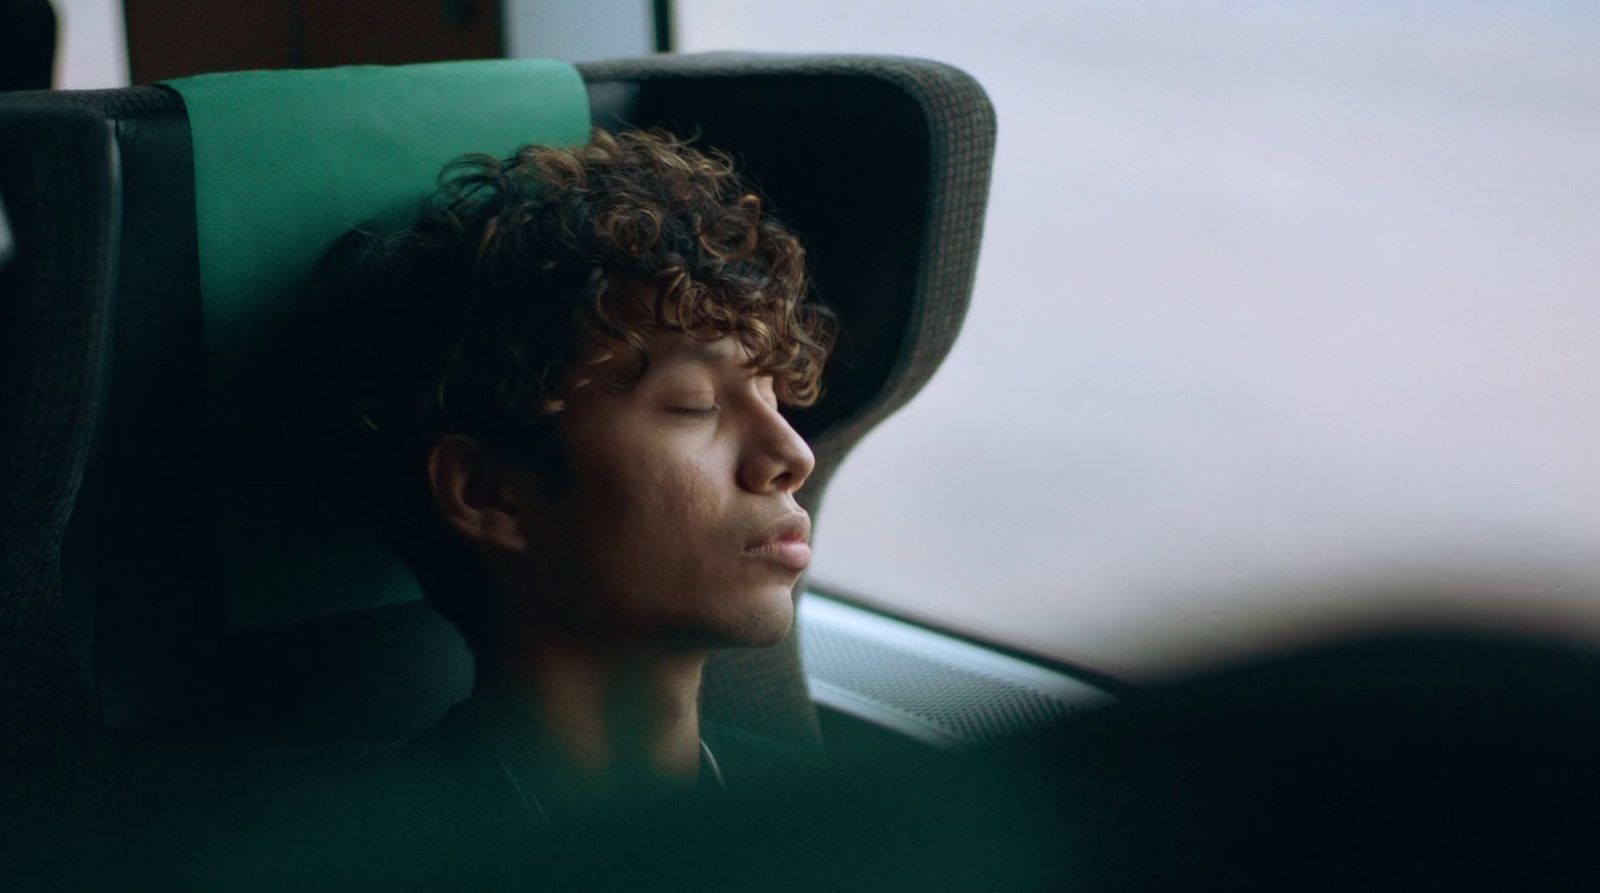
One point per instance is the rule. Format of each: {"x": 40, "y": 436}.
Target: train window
{"x": 91, "y": 45}
{"x": 1270, "y": 292}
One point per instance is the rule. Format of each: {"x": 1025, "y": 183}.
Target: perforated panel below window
{"x": 936, "y": 688}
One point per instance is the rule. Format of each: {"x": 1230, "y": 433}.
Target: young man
{"x": 564, "y": 383}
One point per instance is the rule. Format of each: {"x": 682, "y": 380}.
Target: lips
{"x": 784, "y": 542}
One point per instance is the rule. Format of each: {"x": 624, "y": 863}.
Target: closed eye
{"x": 699, "y": 412}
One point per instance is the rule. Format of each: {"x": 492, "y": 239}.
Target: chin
{"x": 765, "y": 620}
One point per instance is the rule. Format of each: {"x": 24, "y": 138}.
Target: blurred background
{"x": 1278, "y": 299}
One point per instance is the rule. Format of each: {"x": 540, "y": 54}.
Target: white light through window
{"x": 1275, "y": 299}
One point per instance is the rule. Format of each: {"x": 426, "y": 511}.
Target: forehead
{"x": 670, "y": 355}
{"x": 669, "y": 348}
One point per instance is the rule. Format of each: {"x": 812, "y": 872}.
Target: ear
{"x": 475, "y": 494}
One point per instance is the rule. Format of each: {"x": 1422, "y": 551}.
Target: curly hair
{"x": 525, "y": 278}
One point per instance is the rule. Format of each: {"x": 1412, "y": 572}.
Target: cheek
{"x": 671, "y": 498}
{"x": 661, "y": 505}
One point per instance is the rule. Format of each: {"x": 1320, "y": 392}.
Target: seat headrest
{"x": 284, "y": 162}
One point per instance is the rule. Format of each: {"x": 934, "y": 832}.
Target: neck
{"x": 609, "y": 718}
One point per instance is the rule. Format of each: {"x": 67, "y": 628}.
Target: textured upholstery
{"x": 882, "y": 165}
{"x": 886, "y": 179}
{"x": 58, "y": 173}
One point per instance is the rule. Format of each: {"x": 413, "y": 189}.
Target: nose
{"x": 776, "y": 459}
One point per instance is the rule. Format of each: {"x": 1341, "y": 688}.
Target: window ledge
{"x": 937, "y": 689}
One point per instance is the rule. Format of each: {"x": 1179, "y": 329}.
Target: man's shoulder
{"x": 455, "y": 778}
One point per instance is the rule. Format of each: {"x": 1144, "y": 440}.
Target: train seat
{"x": 132, "y": 630}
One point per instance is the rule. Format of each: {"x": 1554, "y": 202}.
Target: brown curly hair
{"x": 520, "y": 280}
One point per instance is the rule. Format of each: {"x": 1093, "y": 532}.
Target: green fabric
{"x": 284, "y": 162}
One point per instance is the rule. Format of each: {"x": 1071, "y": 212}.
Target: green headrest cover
{"x": 284, "y": 162}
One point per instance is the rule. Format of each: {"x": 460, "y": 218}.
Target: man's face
{"x": 679, "y": 524}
